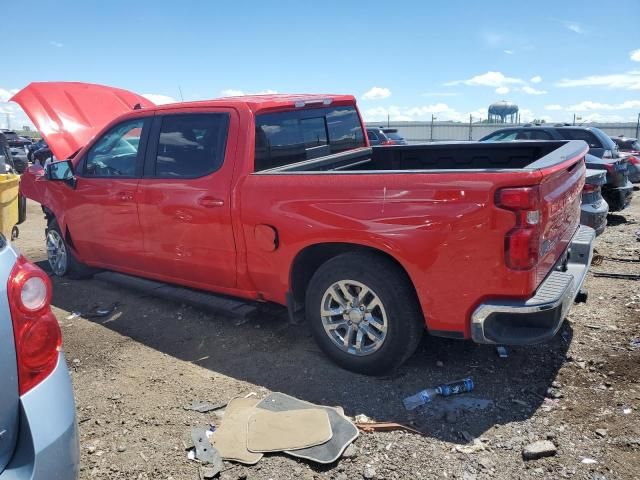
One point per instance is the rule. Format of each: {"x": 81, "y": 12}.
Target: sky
{"x": 405, "y": 59}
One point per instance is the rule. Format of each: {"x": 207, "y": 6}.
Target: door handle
{"x": 124, "y": 196}
{"x": 210, "y": 202}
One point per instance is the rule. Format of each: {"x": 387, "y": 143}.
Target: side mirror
{"x": 61, "y": 172}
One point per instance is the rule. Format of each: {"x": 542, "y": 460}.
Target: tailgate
{"x": 9, "y": 399}
{"x": 561, "y": 186}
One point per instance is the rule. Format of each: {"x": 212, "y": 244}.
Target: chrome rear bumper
{"x": 513, "y": 322}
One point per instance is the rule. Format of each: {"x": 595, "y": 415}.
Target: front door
{"x": 102, "y": 215}
{"x": 184, "y": 197}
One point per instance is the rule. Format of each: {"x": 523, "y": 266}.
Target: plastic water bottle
{"x": 445, "y": 390}
{"x": 420, "y": 398}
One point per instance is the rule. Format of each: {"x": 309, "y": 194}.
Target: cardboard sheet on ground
{"x": 344, "y": 432}
{"x": 231, "y": 438}
{"x": 269, "y": 431}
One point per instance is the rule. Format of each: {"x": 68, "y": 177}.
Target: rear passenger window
{"x": 191, "y": 145}
{"x": 539, "y": 135}
{"x": 577, "y": 134}
{"x": 293, "y": 136}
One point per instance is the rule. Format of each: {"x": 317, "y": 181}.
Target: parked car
{"x": 15, "y": 140}
{"x": 603, "y": 154}
{"x": 35, "y": 146}
{"x": 384, "y": 136}
{"x": 630, "y": 147}
{"x": 9, "y": 163}
{"x": 594, "y": 208}
{"x": 41, "y": 155}
{"x": 371, "y": 244}
{"x": 38, "y": 429}
{"x": 600, "y": 144}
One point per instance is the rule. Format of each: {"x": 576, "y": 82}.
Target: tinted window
{"x": 503, "y": 136}
{"x": 539, "y": 135}
{"x": 578, "y": 134}
{"x": 191, "y": 145}
{"x": 288, "y": 137}
{"x": 394, "y": 136}
{"x": 371, "y": 135}
{"x": 115, "y": 154}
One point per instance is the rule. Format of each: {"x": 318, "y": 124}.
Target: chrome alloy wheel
{"x": 56, "y": 253}
{"x": 354, "y": 318}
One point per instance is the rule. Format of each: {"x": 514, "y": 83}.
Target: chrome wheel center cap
{"x": 355, "y": 316}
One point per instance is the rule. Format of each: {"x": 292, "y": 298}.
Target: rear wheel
{"x": 61, "y": 258}
{"x": 363, "y": 313}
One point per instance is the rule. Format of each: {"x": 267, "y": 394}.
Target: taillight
{"x": 522, "y": 243}
{"x": 588, "y": 188}
{"x": 388, "y": 142}
{"x": 35, "y": 328}
{"x": 633, "y": 160}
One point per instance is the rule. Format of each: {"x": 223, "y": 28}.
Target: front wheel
{"x": 61, "y": 259}
{"x": 363, "y": 313}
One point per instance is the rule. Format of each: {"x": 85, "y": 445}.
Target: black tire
{"x": 73, "y": 268}
{"x": 385, "y": 279}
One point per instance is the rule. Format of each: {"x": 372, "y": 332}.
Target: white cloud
{"x": 231, "y": 92}
{"x": 635, "y": 55}
{"x": 536, "y": 79}
{"x": 575, "y": 27}
{"x": 508, "y": 52}
{"x": 441, "y": 110}
{"x": 629, "y": 81}
{"x": 159, "y": 99}
{"x": 588, "y": 105}
{"x": 56, "y": 44}
{"x": 376, "y": 93}
{"x": 489, "y": 79}
{"x": 553, "y": 106}
{"x": 533, "y": 91}
{"x": 492, "y": 39}
{"x": 502, "y": 90}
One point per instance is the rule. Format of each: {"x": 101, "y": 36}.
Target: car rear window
{"x": 394, "y": 136}
{"x": 288, "y": 137}
{"x": 579, "y": 134}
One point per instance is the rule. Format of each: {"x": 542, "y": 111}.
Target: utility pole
{"x": 387, "y": 120}
{"x": 433, "y": 117}
{"x": 638, "y": 127}
{"x": 8, "y": 122}
{"x": 470, "y": 126}
{"x": 574, "y": 119}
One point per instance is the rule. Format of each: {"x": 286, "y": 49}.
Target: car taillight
{"x": 588, "y": 188}
{"x": 35, "y": 328}
{"x": 522, "y": 243}
{"x": 388, "y": 142}
{"x": 633, "y": 160}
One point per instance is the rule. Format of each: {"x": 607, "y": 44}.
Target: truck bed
{"x": 441, "y": 156}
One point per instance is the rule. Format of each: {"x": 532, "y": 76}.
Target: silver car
{"x": 38, "y": 428}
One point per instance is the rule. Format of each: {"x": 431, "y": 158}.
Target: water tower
{"x": 503, "y": 112}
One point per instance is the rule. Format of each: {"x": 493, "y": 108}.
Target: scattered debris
{"x": 502, "y": 351}
{"x": 635, "y": 343}
{"x": 369, "y": 472}
{"x": 445, "y": 390}
{"x": 362, "y": 418}
{"x": 601, "y": 432}
{"x": 73, "y": 315}
{"x": 371, "y": 427}
{"x": 204, "y": 407}
{"x": 204, "y": 451}
{"x": 539, "y": 449}
{"x": 626, "y": 410}
{"x": 95, "y": 312}
{"x": 475, "y": 446}
{"x": 621, "y": 276}
{"x": 588, "y": 461}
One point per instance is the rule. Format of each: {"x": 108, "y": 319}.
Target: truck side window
{"x": 372, "y": 135}
{"x": 191, "y": 145}
{"x": 578, "y": 134}
{"x": 293, "y": 136}
{"x": 115, "y": 154}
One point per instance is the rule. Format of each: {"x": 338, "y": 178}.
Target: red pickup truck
{"x": 279, "y": 198}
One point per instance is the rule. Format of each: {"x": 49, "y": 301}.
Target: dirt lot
{"x": 134, "y": 370}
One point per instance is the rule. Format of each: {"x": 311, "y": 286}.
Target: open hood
{"x": 69, "y": 114}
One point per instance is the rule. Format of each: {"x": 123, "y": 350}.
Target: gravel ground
{"x": 134, "y": 370}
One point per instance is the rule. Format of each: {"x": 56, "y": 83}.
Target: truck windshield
{"x": 288, "y": 137}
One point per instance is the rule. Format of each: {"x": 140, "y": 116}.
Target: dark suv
{"x": 604, "y": 155}
{"x": 385, "y": 136}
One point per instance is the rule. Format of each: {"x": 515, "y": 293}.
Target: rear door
{"x": 9, "y": 409}
{"x": 184, "y": 199}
